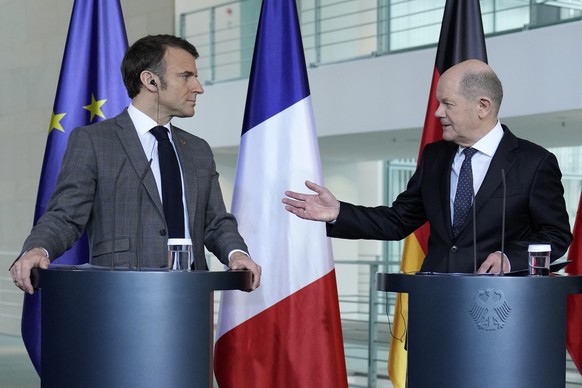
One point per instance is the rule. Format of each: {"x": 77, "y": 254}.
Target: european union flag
{"x": 90, "y": 89}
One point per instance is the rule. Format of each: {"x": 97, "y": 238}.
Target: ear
{"x": 485, "y": 107}
{"x": 146, "y": 78}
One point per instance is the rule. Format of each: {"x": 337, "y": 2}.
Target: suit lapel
{"x": 504, "y": 159}
{"x": 189, "y": 164}
{"x": 445, "y": 184}
{"x": 131, "y": 144}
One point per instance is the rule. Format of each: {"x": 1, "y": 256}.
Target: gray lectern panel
{"x": 129, "y": 329}
{"x": 484, "y": 331}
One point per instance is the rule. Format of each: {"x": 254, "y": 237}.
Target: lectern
{"x": 485, "y": 331}
{"x": 124, "y": 328}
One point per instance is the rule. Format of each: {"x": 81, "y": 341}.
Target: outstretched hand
{"x": 322, "y": 206}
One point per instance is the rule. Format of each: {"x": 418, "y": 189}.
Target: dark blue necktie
{"x": 171, "y": 183}
{"x": 464, "y": 195}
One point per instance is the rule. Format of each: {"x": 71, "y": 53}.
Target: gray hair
{"x": 482, "y": 82}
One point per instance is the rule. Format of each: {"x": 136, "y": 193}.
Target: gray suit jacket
{"x": 105, "y": 187}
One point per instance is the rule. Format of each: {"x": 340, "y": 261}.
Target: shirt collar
{"x": 488, "y": 144}
{"x": 142, "y": 122}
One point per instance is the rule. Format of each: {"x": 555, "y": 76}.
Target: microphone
{"x": 139, "y": 232}
{"x": 474, "y": 235}
{"x": 113, "y": 216}
{"x": 503, "y": 219}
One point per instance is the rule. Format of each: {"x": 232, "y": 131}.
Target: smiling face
{"x": 179, "y": 86}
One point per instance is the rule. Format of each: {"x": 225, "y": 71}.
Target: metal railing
{"x": 363, "y": 343}
{"x": 342, "y": 30}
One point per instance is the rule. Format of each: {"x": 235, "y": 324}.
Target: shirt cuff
{"x": 234, "y": 251}
{"x": 508, "y": 262}
{"x": 28, "y": 250}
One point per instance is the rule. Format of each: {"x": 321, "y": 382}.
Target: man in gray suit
{"x": 110, "y": 182}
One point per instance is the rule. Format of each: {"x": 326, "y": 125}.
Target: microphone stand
{"x": 113, "y": 218}
{"x": 474, "y": 235}
{"x": 503, "y": 220}
{"x": 139, "y": 232}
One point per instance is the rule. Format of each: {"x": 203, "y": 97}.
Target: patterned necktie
{"x": 464, "y": 195}
{"x": 171, "y": 183}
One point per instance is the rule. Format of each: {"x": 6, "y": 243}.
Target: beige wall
{"x": 32, "y": 41}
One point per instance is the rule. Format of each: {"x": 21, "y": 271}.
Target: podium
{"x": 484, "y": 331}
{"x": 124, "y": 328}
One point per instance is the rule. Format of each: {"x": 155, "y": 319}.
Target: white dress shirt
{"x": 143, "y": 123}
{"x": 480, "y": 162}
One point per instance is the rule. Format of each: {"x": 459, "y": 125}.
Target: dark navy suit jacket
{"x": 535, "y": 208}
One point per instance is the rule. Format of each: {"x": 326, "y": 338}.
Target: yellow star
{"x": 95, "y": 108}
{"x": 56, "y": 122}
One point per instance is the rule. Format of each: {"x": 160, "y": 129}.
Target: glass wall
{"x": 340, "y": 30}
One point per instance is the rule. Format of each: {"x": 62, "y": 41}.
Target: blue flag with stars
{"x": 90, "y": 89}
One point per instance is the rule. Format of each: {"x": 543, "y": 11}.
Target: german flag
{"x": 461, "y": 38}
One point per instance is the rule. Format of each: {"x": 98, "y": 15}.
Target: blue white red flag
{"x": 287, "y": 333}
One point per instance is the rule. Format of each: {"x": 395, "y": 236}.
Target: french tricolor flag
{"x": 287, "y": 333}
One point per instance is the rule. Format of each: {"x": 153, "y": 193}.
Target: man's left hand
{"x": 493, "y": 264}
{"x": 239, "y": 260}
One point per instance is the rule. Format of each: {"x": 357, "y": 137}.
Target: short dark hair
{"x": 148, "y": 53}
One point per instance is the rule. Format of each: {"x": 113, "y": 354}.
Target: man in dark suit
{"x": 110, "y": 178}
{"x": 469, "y": 96}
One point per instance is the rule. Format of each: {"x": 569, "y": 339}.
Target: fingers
{"x": 314, "y": 187}
{"x": 299, "y": 211}
{"x": 256, "y": 270}
{"x": 22, "y": 268}
{"x": 493, "y": 264}
{"x": 245, "y": 262}
{"x": 21, "y": 276}
{"x": 293, "y": 202}
{"x": 302, "y": 197}
{"x": 44, "y": 263}
{"x": 296, "y": 206}
{"x": 486, "y": 268}
{"x": 300, "y": 204}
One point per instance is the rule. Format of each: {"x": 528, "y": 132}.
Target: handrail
{"x": 339, "y": 30}
{"x": 373, "y": 323}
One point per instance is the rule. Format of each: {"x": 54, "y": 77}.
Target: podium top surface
{"x": 90, "y": 275}
{"x": 411, "y": 283}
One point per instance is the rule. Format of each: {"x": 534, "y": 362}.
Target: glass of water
{"x": 539, "y": 259}
{"x": 180, "y": 255}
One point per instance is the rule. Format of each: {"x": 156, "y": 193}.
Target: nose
{"x": 438, "y": 113}
{"x": 197, "y": 87}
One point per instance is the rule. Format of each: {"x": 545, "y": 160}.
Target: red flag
{"x": 574, "y": 320}
{"x": 461, "y": 38}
